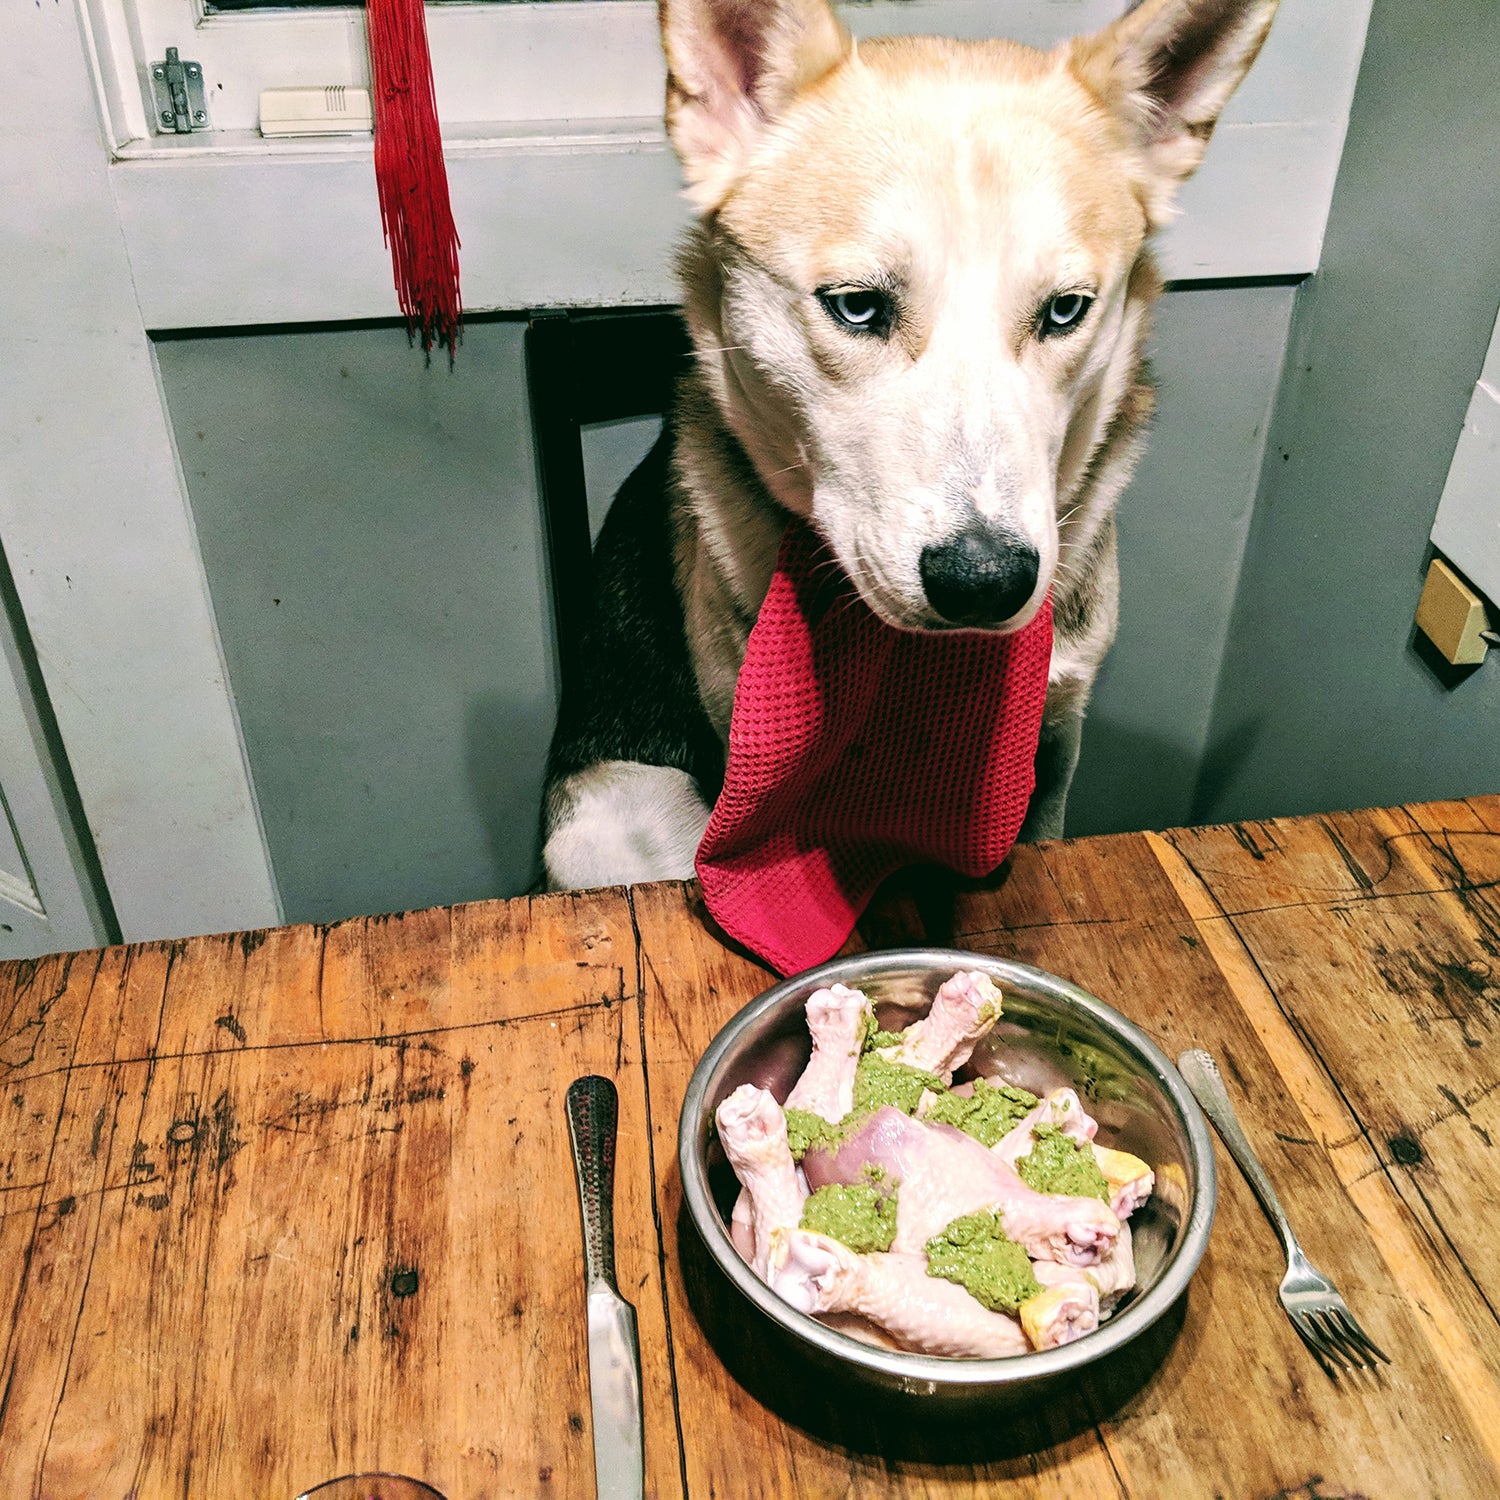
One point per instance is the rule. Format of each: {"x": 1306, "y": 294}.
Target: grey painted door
{"x": 45, "y": 903}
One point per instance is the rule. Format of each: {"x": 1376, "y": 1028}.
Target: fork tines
{"x": 1336, "y": 1339}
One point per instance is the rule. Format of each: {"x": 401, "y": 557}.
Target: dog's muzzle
{"x": 979, "y": 577}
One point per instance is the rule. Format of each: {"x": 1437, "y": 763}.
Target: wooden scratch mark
{"x": 230, "y": 1024}
{"x": 1462, "y": 887}
{"x": 1464, "y": 894}
{"x": 1461, "y": 1106}
{"x": 1246, "y": 840}
{"x": 1313, "y": 1489}
{"x": 1352, "y": 865}
{"x": 397, "y": 1040}
{"x": 18, "y": 1044}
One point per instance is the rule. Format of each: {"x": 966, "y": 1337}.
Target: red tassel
{"x": 411, "y": 176}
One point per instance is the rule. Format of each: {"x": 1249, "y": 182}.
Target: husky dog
{"x": 917, "y": 291}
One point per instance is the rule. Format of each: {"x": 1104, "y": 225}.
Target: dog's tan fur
{"x": 974, "y": 180}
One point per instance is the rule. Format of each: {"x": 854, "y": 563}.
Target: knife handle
{"x": 593, "y": 1114}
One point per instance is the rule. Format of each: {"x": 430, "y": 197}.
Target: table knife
{"x": 614, "y": 1347}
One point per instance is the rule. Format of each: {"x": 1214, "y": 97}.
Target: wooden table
{"x": 281, "y": 1205}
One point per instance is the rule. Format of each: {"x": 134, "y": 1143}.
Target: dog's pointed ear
{"x": 732, "y": 67}
{"x": 1169, "y": 66}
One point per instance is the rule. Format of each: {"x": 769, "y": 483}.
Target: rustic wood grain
{"x": 1370, "y": 970}
{"x": 275, "y": 1206}
{"x": 305, "y": 1205}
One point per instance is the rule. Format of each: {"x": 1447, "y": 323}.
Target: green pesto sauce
{"x": 860, "y": 1216}
{"x": 1059, "y": 1164}
{"x": 989, "y": 1114}
{"x": 878, "y": 1081}
{"x": 804, "y": 1130}
{"x": 975, "y": 1252}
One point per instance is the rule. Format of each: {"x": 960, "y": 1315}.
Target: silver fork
{"x": 1311, "y": 1300}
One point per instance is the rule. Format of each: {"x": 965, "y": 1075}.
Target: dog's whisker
{"x": 1066, "y": 574}
{"x": 857, "y": 574}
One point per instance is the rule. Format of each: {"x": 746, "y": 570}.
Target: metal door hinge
{"x": 177, "y": 91}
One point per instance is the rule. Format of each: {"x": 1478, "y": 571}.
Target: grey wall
{"x": 1326, "y": 700}
{"x": 370, "y": 532}
{"x": 1217, "y": 356}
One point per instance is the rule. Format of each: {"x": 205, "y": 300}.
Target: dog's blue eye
{"x": 861, "y": 308}
{"x": 1064, "y": 313}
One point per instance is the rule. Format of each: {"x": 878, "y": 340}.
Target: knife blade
{"x": 614, "y": 1347}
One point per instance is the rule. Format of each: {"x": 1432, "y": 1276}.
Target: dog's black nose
{"x": 979, "y": 577}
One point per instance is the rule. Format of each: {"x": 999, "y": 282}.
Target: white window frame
{"x": 494, "y": 64}
{"x": 564, "y": 188}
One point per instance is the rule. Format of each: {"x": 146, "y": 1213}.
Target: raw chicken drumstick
{"x": 964, "y": 1008}
{"x": 752, "y": 1129}
{"x": 837, "y": 1019}
{"x": 817, "y": 1274}
{"x": 1061, "y": 1109}
{"x": 1066, "y": 1309}
{"x": 1130, "y": 1180}
{"x": 1075, "y": 1298}
{"x": 1112, "y": 1276}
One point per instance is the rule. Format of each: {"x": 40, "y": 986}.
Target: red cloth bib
{"x": 856, "y": 749}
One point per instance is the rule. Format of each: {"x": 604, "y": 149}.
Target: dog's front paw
{"x": 619, "y": 822}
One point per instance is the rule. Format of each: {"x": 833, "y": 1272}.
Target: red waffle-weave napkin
{"x": 856, "y": 749}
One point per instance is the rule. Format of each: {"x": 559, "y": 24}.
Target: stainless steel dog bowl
{"x": 1051, "y": 1034}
